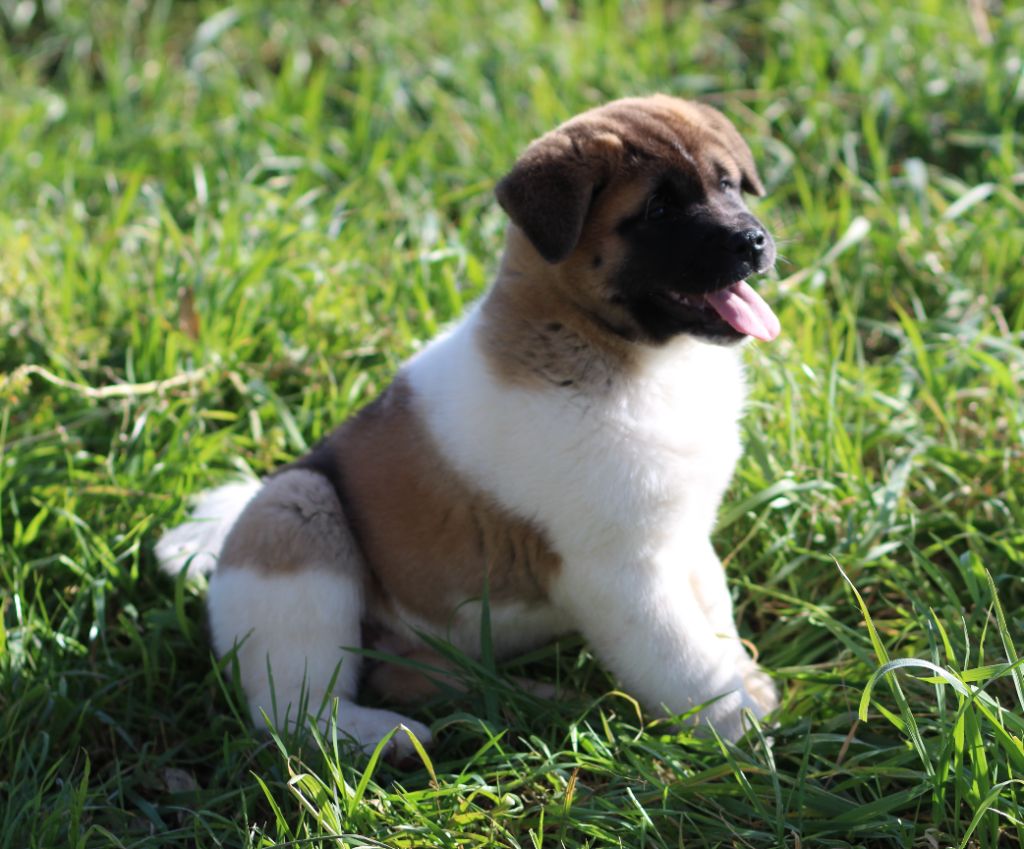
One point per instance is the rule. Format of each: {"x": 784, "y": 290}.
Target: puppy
{"x": 563, "y": 449}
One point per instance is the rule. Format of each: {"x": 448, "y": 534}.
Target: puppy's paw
{"x": 761, "y": 690}
{"x": 366, "y": 727}
{"x": 757, "y": 695}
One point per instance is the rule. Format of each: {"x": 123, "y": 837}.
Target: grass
{"x": 224, "y": 227}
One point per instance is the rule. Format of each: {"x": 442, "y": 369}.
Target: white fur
{"x": 290, "y": 632}
{"x": 656, "y": 451}
{"x": 626, "y": 484}
{"x": 289, "y": 629}
{"x": 196, "y": 543}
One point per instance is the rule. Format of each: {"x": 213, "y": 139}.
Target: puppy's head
{"x": 636, "y": 210}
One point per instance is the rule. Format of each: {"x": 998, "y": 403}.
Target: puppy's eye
{"x": 657, "y": 208}
{"x": 726, "y": 185}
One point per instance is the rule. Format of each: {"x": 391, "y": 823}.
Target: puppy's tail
{"x": 196, "y": 543}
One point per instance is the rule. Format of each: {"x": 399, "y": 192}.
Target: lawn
{"x": 223, "y": 227}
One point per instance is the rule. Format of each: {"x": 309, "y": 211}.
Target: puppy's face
{"x": 637, "y": 210}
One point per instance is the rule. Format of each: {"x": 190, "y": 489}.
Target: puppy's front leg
{"x": 648, "y": 625}
{"x": 707, "y": 577}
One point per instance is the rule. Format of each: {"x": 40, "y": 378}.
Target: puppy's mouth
{"x": 735, "y": 310}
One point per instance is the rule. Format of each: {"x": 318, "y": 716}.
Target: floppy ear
{"x": 549, "y": 189}
{"x": 750, "y": 182}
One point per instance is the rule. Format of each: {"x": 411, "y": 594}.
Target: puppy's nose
{"x": 749, "y": 243}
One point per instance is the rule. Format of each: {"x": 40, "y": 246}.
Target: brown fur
{"x": 532, "y": 334}
{"x": 575, "y": 308}
{"x": 429, "y": 540}
{"x": 550, "y": 191}
{"x": 554, "y": 323}
{"x": 549, "y": 318}
{"x": 294, "y": 522}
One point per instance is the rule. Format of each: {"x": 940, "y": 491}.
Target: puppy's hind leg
{"x": 287, "y": 595}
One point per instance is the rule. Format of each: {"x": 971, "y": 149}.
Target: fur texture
{"x": 565, "y": 446}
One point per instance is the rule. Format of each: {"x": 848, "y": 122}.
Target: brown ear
{"x": 750, "y": 182}
{"x": 548, "y": 191}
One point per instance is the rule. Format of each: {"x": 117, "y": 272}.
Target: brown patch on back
{"x": 431, "y": 542}
{"x": 294, "y": 522}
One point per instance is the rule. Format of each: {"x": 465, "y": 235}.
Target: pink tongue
{"x": 745, "y": 310}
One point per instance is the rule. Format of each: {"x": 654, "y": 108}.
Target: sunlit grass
{"x": 224, "y": 227}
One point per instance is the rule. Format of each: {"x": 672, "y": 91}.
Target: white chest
{"x": 651, "y": 455}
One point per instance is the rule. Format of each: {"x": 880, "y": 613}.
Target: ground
{"x": 222, "y": 228}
